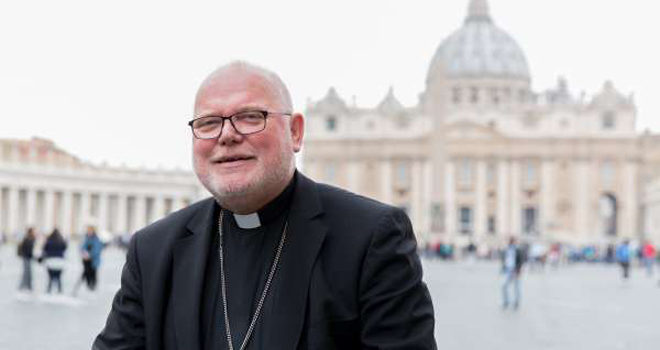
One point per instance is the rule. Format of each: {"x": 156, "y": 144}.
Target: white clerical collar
{"x": 247, "y": 221}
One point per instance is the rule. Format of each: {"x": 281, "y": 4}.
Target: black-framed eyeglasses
{"x": 245, "y": 123}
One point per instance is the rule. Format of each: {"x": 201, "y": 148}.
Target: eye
{"x": 249, "y": 117}
{"x": 207, "y": 123}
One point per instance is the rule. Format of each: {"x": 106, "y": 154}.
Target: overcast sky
{"x": 114, "y": 80}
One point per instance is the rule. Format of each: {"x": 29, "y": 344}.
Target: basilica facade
{"x": 482, "y": 157}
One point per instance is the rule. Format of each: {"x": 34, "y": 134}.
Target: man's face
{"x": 251, "y": 165}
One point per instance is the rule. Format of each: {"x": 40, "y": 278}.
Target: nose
{"x": 228, "y": 134}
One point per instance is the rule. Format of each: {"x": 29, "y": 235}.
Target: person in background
{"x": 648, "y": 257}
{"x": 90, "y": 250}
{"x": 512, "y": 261}
{"x": 25, "y": 252}
{"x": 53, "y": 258}
{"x": 623, "y": 258}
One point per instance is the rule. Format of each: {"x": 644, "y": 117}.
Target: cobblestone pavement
{"x": 573, "y": 307}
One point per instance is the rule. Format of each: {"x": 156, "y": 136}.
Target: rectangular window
{"x": 465, "y": 220}
{"x": 529, "y": 221}
{"x": 465, "y": 173}
{"x": 607, "y": 173}
{"x": 491, "y": 225}
{"x": 437, "y": 218}
{"x": 530, "y": 173}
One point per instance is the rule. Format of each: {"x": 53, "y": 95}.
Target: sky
{"x": 114, "y": 81}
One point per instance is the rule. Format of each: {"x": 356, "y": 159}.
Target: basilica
{"x": 482, "y": 156}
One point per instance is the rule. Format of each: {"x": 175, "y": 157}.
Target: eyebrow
{"x": 241, "y": 109}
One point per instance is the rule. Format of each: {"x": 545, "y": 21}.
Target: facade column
{"x": 450, "y": 199}
{"x": 66, "y": 213}
{"x": 629, "y": 227}
{"x": 415, "y": 196}
{"x": 547, "y": 209}
{"x": 427, "y": 195}
{"x": 353, "y": 175}
{"x": 581, "y": 199}
{"x": 122, "y": 204}
{"x": 480, "y": 217}
{"x": 515, "y": 193}
{"x": 12, "y": 211}
{"x": 49, "y": 208}
{"x": 502, "y": 226}
{"x": 386, "y": 184}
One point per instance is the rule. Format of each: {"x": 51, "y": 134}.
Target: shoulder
{"x": 359, "y": 218}
{"x": 335, "y": 199}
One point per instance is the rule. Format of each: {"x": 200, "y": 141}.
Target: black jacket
{"x": 349, "y": 278}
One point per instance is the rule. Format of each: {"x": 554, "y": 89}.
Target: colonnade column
{"x": 12, "y": 211}
{"x": 139, "y": 211}
{"x": 122, "y": 200}
{"x": 159, "y": 207}
{"x": 31, "y": 207}
{"x": 84, "y": 216}
{"x": 49, "y": 208}
{"x": 66, "y": 212}
{"x": 103, "y": 211}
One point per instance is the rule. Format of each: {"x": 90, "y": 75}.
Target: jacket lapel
{"x": 190, "y": 254}
{"x": 288, "y": 301}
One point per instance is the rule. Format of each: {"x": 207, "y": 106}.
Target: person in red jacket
{"x": 648, "y": 256}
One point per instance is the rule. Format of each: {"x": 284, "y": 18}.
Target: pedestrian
{"x": 648, "y": 257}
{"x": 53, "y": 258}
{"x": 623, "y": 258}
{"x": 90, "y": 251}
{"x": 512, "y": 260}
{"x": 25, "y": 252}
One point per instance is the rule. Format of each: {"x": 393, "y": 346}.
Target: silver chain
{"x": 223, "y": 283}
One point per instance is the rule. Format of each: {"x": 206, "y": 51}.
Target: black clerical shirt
{"x": 248, "y": 256}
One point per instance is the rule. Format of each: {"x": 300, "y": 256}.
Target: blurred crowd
{"x": 538, "y": 254}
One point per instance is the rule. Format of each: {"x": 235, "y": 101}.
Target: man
{"x": 512, "y": 261}
{"x": 623, "y": 257}
{"x": 273, "y": 260}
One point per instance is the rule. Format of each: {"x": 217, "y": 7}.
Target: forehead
{"x": 227, "y": 91}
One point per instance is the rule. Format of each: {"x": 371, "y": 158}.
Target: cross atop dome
{"x": 478, "y": 10}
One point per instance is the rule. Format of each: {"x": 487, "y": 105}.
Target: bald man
{"x": 273, "y": 260}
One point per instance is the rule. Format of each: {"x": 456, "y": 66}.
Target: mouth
{"x": 233, "y": 159}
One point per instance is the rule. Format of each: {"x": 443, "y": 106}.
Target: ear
{"x": 297, "y": 130}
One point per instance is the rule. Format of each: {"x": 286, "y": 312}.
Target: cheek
{"x": 202, "y": 148}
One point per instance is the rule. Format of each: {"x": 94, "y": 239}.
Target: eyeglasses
{"x": 245, "y": 123}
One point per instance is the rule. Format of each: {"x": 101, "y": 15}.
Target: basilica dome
{"x": 479, "y": 49}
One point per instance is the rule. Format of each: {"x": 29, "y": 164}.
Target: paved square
{"x": 575, "y": 307}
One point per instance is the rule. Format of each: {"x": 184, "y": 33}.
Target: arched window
{"x": 608, "y": 120}
{"x": 331, "y": 123}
